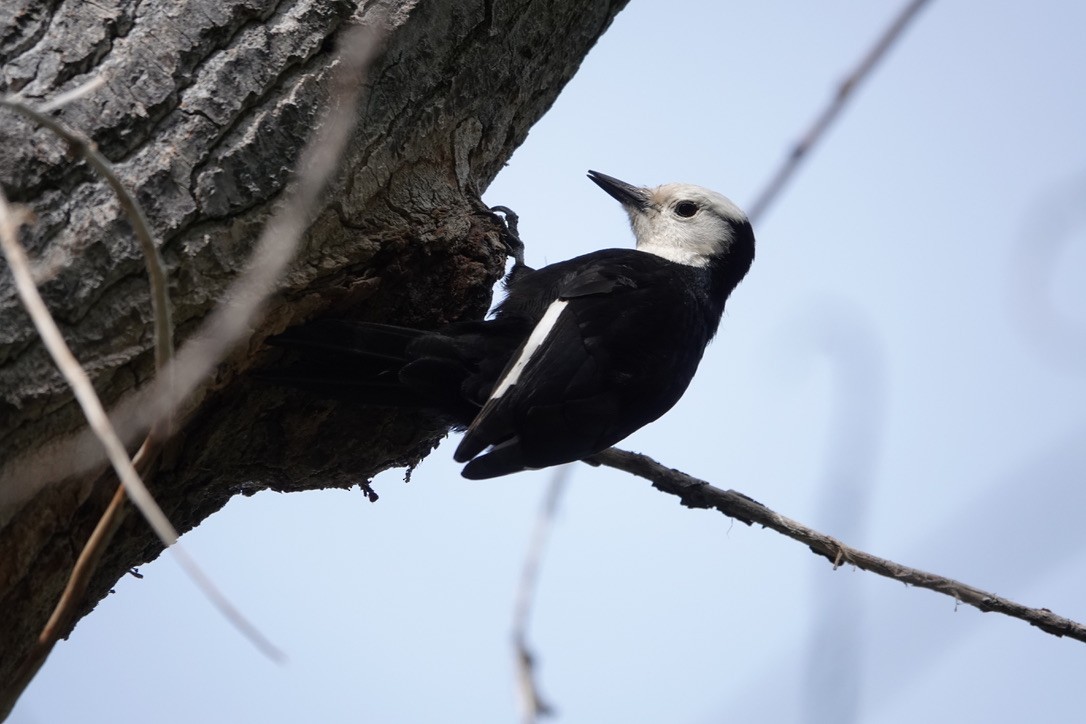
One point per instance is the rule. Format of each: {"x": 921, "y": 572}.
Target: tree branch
{"x": 696, "y": 493}
{"x": 95, "y": 546}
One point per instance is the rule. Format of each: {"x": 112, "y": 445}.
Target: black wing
{"x": 620, "y": 354}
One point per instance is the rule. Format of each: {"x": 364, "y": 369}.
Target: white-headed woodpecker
{"x": 580, "y": 353}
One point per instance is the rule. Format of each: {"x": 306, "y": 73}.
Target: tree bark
{"x": 205, "y": 106}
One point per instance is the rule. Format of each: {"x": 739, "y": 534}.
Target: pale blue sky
{"x": 883, "y": 294}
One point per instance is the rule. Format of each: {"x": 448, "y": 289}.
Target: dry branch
{"x": 695, "y": 493}
{"x": 123, "y": 466}
{"x": 77, "y": 377}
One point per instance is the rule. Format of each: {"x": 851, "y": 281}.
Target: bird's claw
{"x": 511, "y": 237}
{"x": 513, "y": 244}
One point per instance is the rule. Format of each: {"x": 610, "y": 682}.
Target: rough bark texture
{"x": 205, "y": 107}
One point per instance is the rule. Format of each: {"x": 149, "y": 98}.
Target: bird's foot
{"x": 513, "y": 243}
{"x": 511, "y": 237}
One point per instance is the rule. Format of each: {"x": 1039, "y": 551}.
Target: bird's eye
{"x": 686, "y": 209}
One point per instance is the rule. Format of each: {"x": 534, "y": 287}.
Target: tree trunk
{"x": 205, "y": 106}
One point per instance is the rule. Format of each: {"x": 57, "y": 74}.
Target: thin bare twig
{"x": 840, "y": 99}
{"x": 99, "y": 422}
{"x": 228, "y": 324}
{"x": 80, "y": 577}
{"x": 695, "y": 493}
{"x": 75, "y": 375}
{"x": 533, "y": 705}
{"x": 86, "y": 564}
{"x": 118, "y": 456}
{"x": 69, "y": 600}
{"x": 92, "y": 551}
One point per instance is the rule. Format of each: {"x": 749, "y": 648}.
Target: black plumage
{"x": 621, "y": 341}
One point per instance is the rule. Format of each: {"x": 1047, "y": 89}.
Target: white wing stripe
{"x": 535, "y": 341}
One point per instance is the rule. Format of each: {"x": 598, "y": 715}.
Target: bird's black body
{"x": 620, "y": 355}
{"x": 579, "y": 355}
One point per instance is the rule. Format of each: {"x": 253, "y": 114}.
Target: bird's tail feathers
{"x": 503, "y": 459}
{"x": 450, "y": 371}
{"x": 346, "y": 339}
{"x": 375, "y": 391}
{"x": 344, "y": 360}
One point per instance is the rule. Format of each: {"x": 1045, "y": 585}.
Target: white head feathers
{"x": 683, "y": 223}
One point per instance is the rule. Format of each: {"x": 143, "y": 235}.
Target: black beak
{"x": 626, "y": 194}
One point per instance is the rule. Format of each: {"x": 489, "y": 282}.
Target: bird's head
{"x": 683, "y": 223}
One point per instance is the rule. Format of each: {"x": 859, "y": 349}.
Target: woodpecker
{"x": 577, "y": 356}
